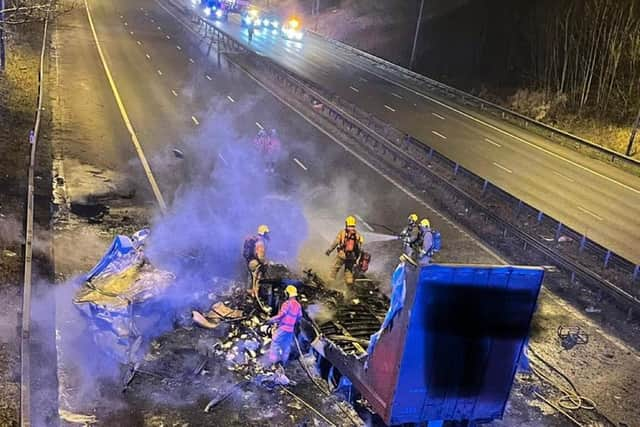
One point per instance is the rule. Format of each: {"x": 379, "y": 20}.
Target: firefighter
{"x": 410, "y": 236}
{"x": 254, "y": 252}
{"x": 286, "y": 319}
{"x": 349, "y": 244}
{"x": 430, "y": 242}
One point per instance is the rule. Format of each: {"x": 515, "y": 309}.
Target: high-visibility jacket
{"x": 289, "y": 314}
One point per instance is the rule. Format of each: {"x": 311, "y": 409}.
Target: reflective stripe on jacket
{"x": 289, "y": 314}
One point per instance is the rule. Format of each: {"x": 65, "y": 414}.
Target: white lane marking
{"x": 131, "y": 32}
{"x": 208, "y": 76}
{"x": 159, "y": 28}
{"x": 438, "y": 134}
{"x": 153, "y": 21}
{"x": 498, "y": 165}
{"x": 194, "y": 120}
{"x": 139, "y": 42}
{"x": 191, "y": 60}
{"x": 121, "y": 17}
{"x": 437, "y": 115}
{"x": 159, "y": 72}
{"x": 126, "y": 24}
{"x": 230, "y": 98}
{"x": 178, "y": 47}
{"x": 125, "y": 117}
{"x": 259, "y": 126}
{"x": 148, "y": 56}
{"x": 223, "y": 159}
{"x": 396, "y": 95}
{"x": 564, "y": 176}
{"x": 588, "y": 212}
{"x": 362, "y": 79}
{"x": 354, "y": 89}
{"x": 363, "y": 222}
{"x": 389, "y": 108}
{"x": 168, "y": 37}
{"x": 300, "y": 164}
{"x": 174, "y": 92}
{"x": 492, "y": 142}
{"x": 320, "y": 129}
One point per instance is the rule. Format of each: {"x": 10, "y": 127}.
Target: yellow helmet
{"x": 350, "y": 221}
{"x": 413, "y": 218}
{"x": 425, "y": 223}
{"x": 291, "y": 290}
{"x": 263, "y": 229}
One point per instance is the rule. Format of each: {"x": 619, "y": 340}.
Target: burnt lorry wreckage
{"x": 442, "y": 348}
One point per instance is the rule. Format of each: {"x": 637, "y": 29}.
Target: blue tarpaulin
{"x": 121, "y": 247}
{"x": 398, "y": 292}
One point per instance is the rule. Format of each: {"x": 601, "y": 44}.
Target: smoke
{"x": 10, "y": 231}
{"x": 320, "y": 313}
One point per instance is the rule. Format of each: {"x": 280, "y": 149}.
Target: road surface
{"x": 593, "y": 198}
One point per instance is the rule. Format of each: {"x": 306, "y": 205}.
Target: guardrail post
{"x": 218, "y": 49}
{"x": 607, "y": 257}
{"x": 455, "y": 169}
{"x": 430, "y": 153}
{"x": 485, "y": 185}
{"x": 583, "y": 242}
{"x": 518, "y": 207}
{"x": 540, "y": 216}
{"x": 558, "y": 232}
{"x": 636, "y": 271}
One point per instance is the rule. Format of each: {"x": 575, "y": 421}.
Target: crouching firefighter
{"x": 349, "y": 244}
{"x": 286, "y": 319}
{"x": 254, "y": 252}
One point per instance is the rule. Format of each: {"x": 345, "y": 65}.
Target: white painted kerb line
{"x": 125, "y": 117}
{"x": 365, "y": 223}
{"x": 300, "y": 164}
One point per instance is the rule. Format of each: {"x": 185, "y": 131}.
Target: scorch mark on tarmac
{"x": 299, "y": 163}
{"x": 499, "y": 166}
{"x": 438, "y": 134}
{"x": 125, "y": 117}
{"x": 389, "y": 108}
{"x": 365, "y": 223}
{"x": 492, "y": 142}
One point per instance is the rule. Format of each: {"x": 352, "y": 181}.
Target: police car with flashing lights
{"x": 213, "y": 9}
{"x": 292, "y": 30}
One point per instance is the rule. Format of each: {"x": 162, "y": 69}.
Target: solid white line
{"x": 438, "y": 134}
{"x": 259, "y": 125}
{"x": 148, "y": 56}
{"x": 492, "y": 142}
{"x": 437, "y": 115}
{"x": 125, "y": 117}
{"x": 191, "y": 60}
{"x": 174, "y": 92}
{"x": 587, "y": 211}
{"x": 353, "y": 89}
{"x": 389, "y": 108}
{"x": 564, "y": 176}
{"x": 300, "y": 164}
{"x": 230, "y": 99}
{"x": 195, "y": 121}
{"x": 159, "y": 72}
{"x": 208, "y": 77}
{"x": 396, "y": 95}
{"x": 365, "y": 223}
{"x": 498, "y": 165}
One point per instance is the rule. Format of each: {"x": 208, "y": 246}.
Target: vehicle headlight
{"x": 274, "y": 31}
{"x": 275, "y": 24}
{"x": 265, "y": 22}
{"x": 298, "y": 35}
{"x": 219, "y": 13}
{"x": 194, "y": 2}
{"x": 207, "y": 11}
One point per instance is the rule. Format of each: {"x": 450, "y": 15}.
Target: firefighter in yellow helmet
{"x": 349, "y": 244}
{"x": 254, "y": 252}
{"x": 286, "y": 319}
{"x": 410, "y": 235}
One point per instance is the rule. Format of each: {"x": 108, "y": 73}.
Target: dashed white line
{"x": 178, "y": 47}
{"x": 259, "y": 125}
{"x": 564, "y": 176}
{"x": 300, "y": 164}
{"x": 153, "y": 20}
{"x": 131, "y": 32}
{"x": 230, "y": 98}
{"x": 362, "y": 79}
{"x": 174, "y": 92}
{"x": 438, "y": 134}
{"x": 121, "y": 17}
{"x": 126, "y": 24}
{"x": 437, "y": 115}
{"x": 159, "y": 28}
{"x": 492, "y": 142}
{"x": 159, "y": 72}
{"x": 354, "y": 89}
{"x": 223, "y": 159}
{"x": 194, "y": 120}
{"x": 365, "y": 223}
{"x": 168, "y": 37}
{"x": 192, "y": 61}
{"x": 389, "y": 108}
{"x": 148, "y": 56}
{"x": 139, "y": 42}
{"x": 588, "y": 212}
{"x": 208, "y": 76}
{"x": 498, "y": 165}
{"x": 396, "y": 95}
